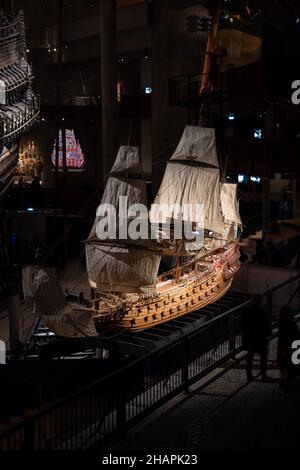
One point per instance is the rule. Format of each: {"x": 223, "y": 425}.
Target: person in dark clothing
{"x": 255, "y": 337}
{"x": 214, "y": 73}
{"x": 274, "y": 256}
{"x": 287, "y": 333}
{"x": 261, "y": 254}
{"x": 244, "y": 257}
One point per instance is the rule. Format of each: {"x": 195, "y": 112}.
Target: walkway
{"x": 224, "y": 413}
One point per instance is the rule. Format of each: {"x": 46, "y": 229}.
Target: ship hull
{"x": 203, "y": 282}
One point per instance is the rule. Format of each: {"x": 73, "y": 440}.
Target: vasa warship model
{"x": 124, "y": 273}
{"x": 19, "y": 107}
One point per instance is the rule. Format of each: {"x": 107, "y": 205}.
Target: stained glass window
{"x": 74, "y": 153}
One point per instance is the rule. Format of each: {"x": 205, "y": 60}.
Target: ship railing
{"x": 15, "y": 79}
{"x": 23, "y": 123}
{"x": 98, "y": 413}
{"x": 21, "y": 83}
{"x": 9, "y": 30}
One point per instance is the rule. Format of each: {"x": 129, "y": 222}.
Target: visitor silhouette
{"x": 255, "y": 337}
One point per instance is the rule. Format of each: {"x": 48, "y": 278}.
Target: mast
{"x": 108, "y": 18}
{"x": 211, "y": 44}
{"x": 123, "y": 265}
{"x": 192, "y": 179}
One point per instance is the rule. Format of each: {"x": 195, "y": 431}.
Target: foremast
{"x": 123, "y": 265}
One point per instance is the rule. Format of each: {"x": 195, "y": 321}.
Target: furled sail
{"x": 41, "y": 287}
{"x": 122, "y": 264}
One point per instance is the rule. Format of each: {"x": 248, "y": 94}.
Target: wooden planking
{"x": 176, "y": 300}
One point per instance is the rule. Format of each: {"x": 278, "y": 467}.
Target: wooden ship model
{"x": 19, "y": 107}
{"x": 128, "y": 292}
{"x": 125, "y": 272}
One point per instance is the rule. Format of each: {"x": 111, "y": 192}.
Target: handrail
{"x": 6, "y": 29}
{"x": 6, "y": 136}
{"x": 285, "y": 283}
{"x": 122, "y": 370}
{"x": 177, "y": 343}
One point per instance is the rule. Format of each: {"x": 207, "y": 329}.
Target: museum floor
{"x": 224, "y": 412}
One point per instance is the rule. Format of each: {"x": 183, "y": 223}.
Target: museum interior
{"x": 139, "y": 343}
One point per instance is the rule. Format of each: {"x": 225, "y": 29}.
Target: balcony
{"x": 132, "y": 107}
{"x": 17, "y": 120}
{"x": 9, "y": 28}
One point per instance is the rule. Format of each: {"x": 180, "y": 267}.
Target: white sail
{"x": 121, "y": 269}
{"x": 122, "y": 265}
{"x": 41, "y": 287}
{"x": 198, "y": 144}
{"x": 230, "y": 210}
{"x": 230, "y": 207}
{"x": 190, "y": 185}
{"x": 127, "y": 162}
{"x": 122, "y": 185}
{"x": 133, "y": 189}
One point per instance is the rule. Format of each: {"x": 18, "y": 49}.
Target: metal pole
{"x": 58, "y": 103}
{"x": 185, "y": 365}
{"x": 266, "y": 216}
{"x": 211, "y": 44}
{"x": 270, "y": 312}
{"x": 108, "y": 15}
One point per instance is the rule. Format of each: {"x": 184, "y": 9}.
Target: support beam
{"x": 59, "y": 104}
{"x": 2, "y": 6}
{"x": 108, "y": 20}
{"x": 211, "y": 44}
{"x": 266, "y": 210}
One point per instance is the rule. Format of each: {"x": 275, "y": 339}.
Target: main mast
{"x": 192, "y": 182}
{"x": 211, "y": 44}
